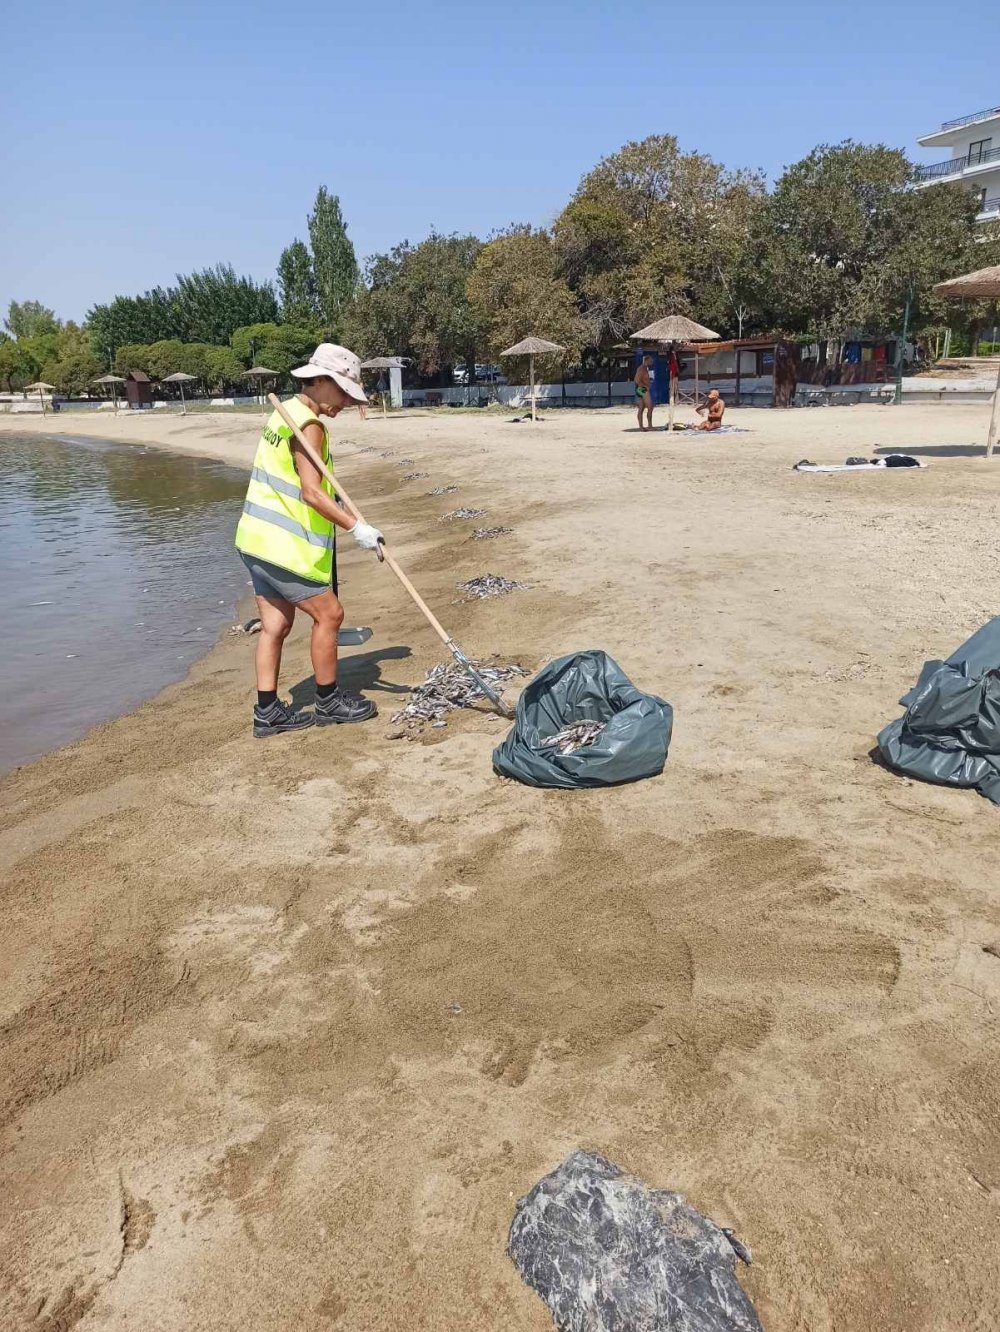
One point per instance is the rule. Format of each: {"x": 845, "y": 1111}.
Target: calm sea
{"x": 117, "y": 569}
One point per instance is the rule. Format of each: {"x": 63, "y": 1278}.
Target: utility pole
{"x": 902, "y": 343}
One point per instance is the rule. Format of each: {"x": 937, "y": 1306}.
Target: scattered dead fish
{"x": 491, "y": 585}
{"x": 463, "y": 513}
{"x": 388, "y": 453}
{"x": 488, "y": 533}
{"x": 369, "y": 448}
{"x": 415, "y": 476}
{"x": 578, "y": 735}
{"x": 406, "y": 462}
{"x": 443, "y": 490}
{"x": 447, "y": 687}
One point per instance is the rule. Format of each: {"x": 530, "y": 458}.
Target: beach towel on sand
{"x": 893, "y": 461}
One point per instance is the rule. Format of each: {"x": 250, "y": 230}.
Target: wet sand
{"x": 289, "y": 1026}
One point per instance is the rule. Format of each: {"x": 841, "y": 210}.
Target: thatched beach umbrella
{"x": 260, "y": 373}
{"x": 42, "y": 388}
{"x": 114, "y": 381}
{"x": 671, "y": 332}
{"x": 983, "y": 283}
{"x": 532, "y": 347}
{"x": 180, "y": 378}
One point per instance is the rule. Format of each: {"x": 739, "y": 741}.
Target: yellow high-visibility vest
{"x": 277, "y": 525}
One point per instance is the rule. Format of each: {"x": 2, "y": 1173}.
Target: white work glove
{"x": 366, "y": 536}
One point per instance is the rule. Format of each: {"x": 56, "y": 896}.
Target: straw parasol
{"x": 532, "y": 347}
{"x": 260, "y": 373}
{"x": 114, "y": 381}
{"x": 42, "y": 387}
{"x": 670, "y": 332}
{"x": 983, "y": 283}
{"x": 180, "y": 378}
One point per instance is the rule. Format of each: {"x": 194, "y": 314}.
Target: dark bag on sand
{"x": 586, "y": 686}
{"x": 951, "y": 731}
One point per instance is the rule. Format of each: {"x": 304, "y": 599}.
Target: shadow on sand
{"x": 936, "y": 450}
{"x": 360, "y": 673}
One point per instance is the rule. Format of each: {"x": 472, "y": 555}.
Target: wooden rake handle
{"x": 349, "y": 504}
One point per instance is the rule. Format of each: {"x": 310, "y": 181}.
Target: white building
{"x": 974, "y": 144}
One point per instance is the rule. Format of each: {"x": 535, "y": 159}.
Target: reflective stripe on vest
{"x": 277, "y": 525}
{"x": 288, "y": 524}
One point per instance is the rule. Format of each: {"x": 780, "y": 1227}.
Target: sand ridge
{"x": 288, "y": 1027}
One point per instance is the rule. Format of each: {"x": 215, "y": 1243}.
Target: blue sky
{"x": 148, "y": 139}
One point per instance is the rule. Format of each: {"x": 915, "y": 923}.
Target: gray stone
{"x": 608, "y": 1254}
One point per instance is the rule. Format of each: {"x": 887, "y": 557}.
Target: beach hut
{"x": 259, "y": 373}
{"x": 180, "y": 379}
{"x": 532, "y": 347}
{"x": 389, "y": 363}
{"x": 114, "y": 381}
{"x": 42, "y": 389}
{"x": 138, "y": 389}
{"x": 671, "y": 332}
{"x": 983, "y": 284}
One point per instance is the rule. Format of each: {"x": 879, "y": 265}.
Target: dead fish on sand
{"x": 462, "y": 513}
{"x": 578, "y": 735}
{"x": 406, "y": 462}
{"x": 443, "y": 490}
{"x": 447, "y": 687}
{"x": 488, "y": 533}
{"x": 415, "y": 476}
{"x": 491, "y": 585}
{"x": 369, "y": 448}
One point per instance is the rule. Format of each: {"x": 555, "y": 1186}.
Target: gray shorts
{"x": 275, "y": 583}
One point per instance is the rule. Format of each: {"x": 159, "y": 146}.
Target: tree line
{"x": 840, "y": 243}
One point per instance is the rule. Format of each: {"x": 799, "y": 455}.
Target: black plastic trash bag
{"x": 608, "y": 1254}
{"x": 951, "y": 731}
{"x": 586, "y": 686}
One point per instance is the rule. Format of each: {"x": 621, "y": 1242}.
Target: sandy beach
{"x": 289, "y": 1026}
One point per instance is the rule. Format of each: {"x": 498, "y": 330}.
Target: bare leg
{"x": 276, "y": 618}
{"x": 639, "y": 414}
{"x": 649, "y": 417}
{"x": 327, "y": 615}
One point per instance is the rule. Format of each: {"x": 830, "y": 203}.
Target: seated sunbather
{"x": 715, "y": 408}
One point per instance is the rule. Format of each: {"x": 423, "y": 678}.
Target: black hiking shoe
{"x": 278, "y": 717}
{"x": 340, "y": 707}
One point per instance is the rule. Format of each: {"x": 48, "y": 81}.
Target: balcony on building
{"x": 974, "y": 141}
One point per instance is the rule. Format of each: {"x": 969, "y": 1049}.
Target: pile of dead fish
{"x": 406, "y": 462}
{"x": 448, "y": 687}
{"x": 388, "y": 453}
{"x": 369, "y": 448}
{"x": 488, "y": 533}
{"x": 443, "y": 490}
{"x": 463, "y": 513}
{"x": 578, "y": 735}
{"x": 415, "y": 476}
{"x": 490, "y": 585}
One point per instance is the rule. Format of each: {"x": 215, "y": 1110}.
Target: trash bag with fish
{"x": 581, "y": 722}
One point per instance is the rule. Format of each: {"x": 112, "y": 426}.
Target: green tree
{"x": 73, "y": 367}
{"x": 335, "y": 265}
{"x": 280, "y": 347}
{"x": 28, "y": 319}
{"x": 848, "y": 237}
{"x": 516, "y": 291}
{"x": 297, "y": 285}
{"x": 17, "y": 365}
{"x": 653, "y": 230}
{"x": 203, "y": 307}
{"x": 415, "y": 304}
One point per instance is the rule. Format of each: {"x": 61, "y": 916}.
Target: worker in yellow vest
{"x": 286, "y": 538}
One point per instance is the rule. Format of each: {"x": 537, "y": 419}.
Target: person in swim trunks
{"x": 715, "y": 408}
{"x": 644, "y": 392}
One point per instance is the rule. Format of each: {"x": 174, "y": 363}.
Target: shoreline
{"x": 359, "y": 980}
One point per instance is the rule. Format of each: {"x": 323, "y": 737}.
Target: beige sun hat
{"x": 338, "y": 364}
